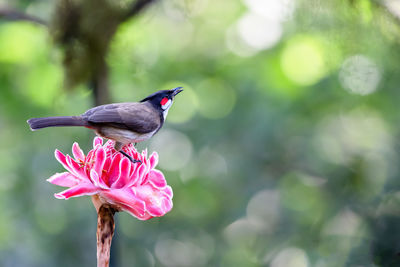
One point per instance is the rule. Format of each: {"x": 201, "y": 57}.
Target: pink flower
{"x": 137, "y": 188}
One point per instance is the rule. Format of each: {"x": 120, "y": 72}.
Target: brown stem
{"x": 105, "y": 231}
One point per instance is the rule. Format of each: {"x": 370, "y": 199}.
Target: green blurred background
{"x": 281, "y": 151}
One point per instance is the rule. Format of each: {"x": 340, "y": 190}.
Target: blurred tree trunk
{"x": 84, "y": 30}
{"x": 99, "y": 85}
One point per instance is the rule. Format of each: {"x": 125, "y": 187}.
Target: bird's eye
{"x": 164, "y": 101}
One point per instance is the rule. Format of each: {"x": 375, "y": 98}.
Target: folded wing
{"x": 137, "y": 117}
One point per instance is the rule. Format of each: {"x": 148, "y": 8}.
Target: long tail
{"x": 39, "y": 123}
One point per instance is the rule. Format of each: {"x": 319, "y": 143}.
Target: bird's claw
{"x": 130, "y": 158}
{"x": 136, "y": 161}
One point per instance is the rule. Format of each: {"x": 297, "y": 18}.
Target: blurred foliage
{"x": 281, "y": 151}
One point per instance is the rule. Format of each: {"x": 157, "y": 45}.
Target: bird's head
{"x": 163, "y": 99}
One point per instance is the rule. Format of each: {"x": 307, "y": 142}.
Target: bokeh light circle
{"x": 259, "y": 32}
{"x": 256, "y": 207}
{"x": 21, "y": 42}
{"x": 277, "y": 10}
{"x": 216, "y": 98}
{"x": 303, "y": 60}
{"x": 267, "y": 215}
{"x": 359, "y": 75}
{"x": 174, "y": 149}
{"x": 341, "y": 138}
{"x": 236, "y": 44}
{"x": 290, "y": 257}
{"x": 173, "y": 253}
{"x": 346, "y": 222}
{"x": 393, "y": 6}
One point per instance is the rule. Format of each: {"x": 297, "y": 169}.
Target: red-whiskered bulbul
{"x": 124, "y": 123}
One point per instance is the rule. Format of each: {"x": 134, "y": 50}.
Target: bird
{"x": 125, "y": 123}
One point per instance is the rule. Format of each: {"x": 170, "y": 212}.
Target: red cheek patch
{"x": 164, "y": 101}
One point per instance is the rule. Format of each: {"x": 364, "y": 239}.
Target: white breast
{"x": 124, "y": 136}
{"x": 165, "y": 113}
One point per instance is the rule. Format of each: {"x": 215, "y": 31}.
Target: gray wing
{"x": 137, "y": 117}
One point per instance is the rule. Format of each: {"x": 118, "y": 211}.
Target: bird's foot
{"x": 129, "y": 157}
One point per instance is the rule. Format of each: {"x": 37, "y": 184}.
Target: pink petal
{"x": 157, "y": 179}
{"x": 64, "y": 179}
{"x": 127, "y": 200}
{"x": 107, "y": 163}
{"x": 144, "y": 156}
{"x": 155, "y": 210}
{"x": 131, "y": 151}
{"x": 144, "y": 153}
{"x": 153, "y": 160}
{"x": 136, "y": 155}
{"x": 76, "y": 169}
{"x": 89, "y": 155}
{"x": 97, "y": 181}
{"x": 168, "y": 191}
{"x": 77, "y": 152}
{"x": 99, "y": 160}
{"x": 70, "y": 165}
{"x": 167, "y": 205}
{"x": 142, "y": 172}
{"x": 113, "y": 172}
{"x": 136, "y": 178}
{"x": 76, "y": 191}
{"x": 63, "y": 160}
{"x": 133, "y": 169}
{"x": 106, "y": 169}
{"x": 97, "y": 141}
{"x": 123, "y": 177}
{"x": 154, "y": 200}
{"x": 147, "y": 216}
{"x": 110, "y": 145}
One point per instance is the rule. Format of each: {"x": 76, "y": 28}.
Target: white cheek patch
{"x": 165, "y": 108}
{"x": 167, "y": 105}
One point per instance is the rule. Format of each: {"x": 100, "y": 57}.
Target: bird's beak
{"x": 176, "y": 91}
